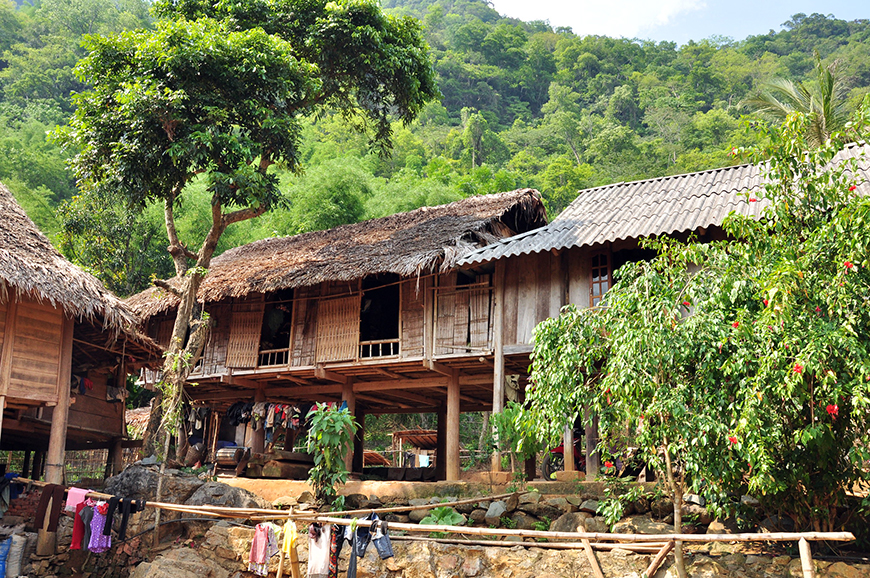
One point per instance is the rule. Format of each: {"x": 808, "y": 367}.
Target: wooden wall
{"x": 31, "y": 351}
{"x": 91, "y": 415}
{"x": 413, "y": 316}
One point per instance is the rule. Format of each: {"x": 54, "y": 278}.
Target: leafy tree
{"x": 217, "y": 90}
{"x": 742, "y": 365}
{"x": 330, "y": 437}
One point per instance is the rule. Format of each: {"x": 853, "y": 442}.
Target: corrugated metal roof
{"x": 661, "y": 206}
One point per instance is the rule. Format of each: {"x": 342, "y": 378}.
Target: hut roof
{"x": 660, "y": 206}
{"x": 30, "y": 265}
{"x": 407, "y": 244}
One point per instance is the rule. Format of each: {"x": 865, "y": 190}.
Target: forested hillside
{"x": 524, "y": 104}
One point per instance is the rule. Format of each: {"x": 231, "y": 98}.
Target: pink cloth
{"x": 74, "y": 497}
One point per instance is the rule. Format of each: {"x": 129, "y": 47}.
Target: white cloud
{"x": 628, "y": 18}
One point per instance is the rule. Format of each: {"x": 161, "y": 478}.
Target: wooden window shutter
{"x": 245, "y": 329}
{"x": 338, "y": 329}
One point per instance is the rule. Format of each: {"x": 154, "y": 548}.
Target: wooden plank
{"x": 445, "y": 314}
{"x": 452, "y": 448}
{"x": 2, "y": 325}
{"x": 578, "y": 277}
{"x": 54, "y": 465}
{"x": 41, "y": 313}
{"x": 214, "y": 355}
{"x": 498, "y": 299}
{"x": 542, "y": 285}
{"x": 246, "y": 327}
{"x": 659, "y": 558}
{"x": 338, "y": 329}
{"x": 511, "y": 297}
{"x": 479, "y": 307}
{"x": 460, "y": 322}
{"x": 413, "y": 316}
{"x": 590, "y": 555}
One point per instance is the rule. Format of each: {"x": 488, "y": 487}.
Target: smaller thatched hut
{"x": 371, "y": 313}
{"x": 66, "y": 345}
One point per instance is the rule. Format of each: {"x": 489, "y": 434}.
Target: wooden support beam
{"x": 437, "y": 367}
{"x": 593, "y": 458}
{"x": 294, "y": 379}
{"x": 382, "y": 401}
{"x": 60, "y": 417}
{"x": 231, "y": 379}
{"x": 349, "y": 396}
{"x": 358, "y": 442}
{"x": 390, "y": 374}
{"x": 498, "y": 352}
{"x": 329, "y": 375}
{"x": 313, "y": 391}
{"x": 8, "y": 341}
{"x": 806, "y": 559}
{"x": 425, "y": 383}
{"x": 197, "y": 395}
{"x": 452, "y": 448}
{"x": 441, "y": 444}
{"x": 419, "y": 399}
{"x": 568, "y": 447}
{"x": 486, "y": 362}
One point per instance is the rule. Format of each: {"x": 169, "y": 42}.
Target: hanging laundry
{"x": 51, "y": 500}
{"x": 78, "y": 532}
{"x": 86, "y": 515}
{"x": 99, "y": 542}
{"x": 74, "y": 497}
{"x": 263, "y": 547}
{"x": 336, "y": 541}
{"x": 319, "y": 546}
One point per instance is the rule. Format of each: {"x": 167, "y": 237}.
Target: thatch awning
{"x": 30, "y": 265}
{"x": 407, "y": 244}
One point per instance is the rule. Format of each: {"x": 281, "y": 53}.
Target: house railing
{"x": 271, "y": 357}
{"x": 379, "y": 348}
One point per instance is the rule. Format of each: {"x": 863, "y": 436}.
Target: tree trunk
{"x": 677, "y": 492}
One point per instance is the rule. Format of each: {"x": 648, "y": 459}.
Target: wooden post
{"x": 359, "y": 442}
{"x": 38, "y": 460}
{"x": 115, "y": 459}
{"x": 258, "y": 444}
{"x": 568, "y": 447}
{"x": 348, "y": 395}
{"x": 806, "y": 558}
{"x": 25, "y": 467}
{"x": 659, "y": 558}
{"x": 452, "y": 449}
{"x": 590, "y": 555}
{"x": 593, "y": 460}
{"x": 498, "y": 352}
{"x": 441, "y": 444}
{"x": 6, "y": 352}
{"x": 57, "y": 437}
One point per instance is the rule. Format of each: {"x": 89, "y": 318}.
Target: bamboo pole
{"x": 806, "y": 558}
{"x": 590, "y": 555}
{"x": 657, "y": 561}
{"x": 647, "y": 548}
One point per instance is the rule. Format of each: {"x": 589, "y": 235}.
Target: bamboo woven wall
{"x": 338, "y": 329}
{"x": 36, "y": 352}
{"x": 245, "y": 329}
{"x": 304, "y": 340}
{"x": 413, "y": 316}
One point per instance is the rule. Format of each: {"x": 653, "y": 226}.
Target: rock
{"x": 563, "y": 476}
{"x": 698, "y": 513}
{"x": 494, "y": 513}
{"x": 180, "y": 563}
{"x": 140, "y": 483}
{"x": 776, "y": 524}
{"x": 477, "y": 516}
{"x": 843, "y": 570}
{"x": 571, "y": 522}
{"x": 662, "y": 507}
{"x": 750, "y": 501}
{"x": 530, "y": 498}
{"x": 590, "y": 506}
{"x": 641, "y": 525}
{"x": 401, "y": 518}
{"x": 574, "y": 500}
{"x": 283, "y": 471}
{"x": 285, "y": 501}
{"x": 641, "y": 505}
{"x": 306, "y": 497}
{"x": 717, "y": 526}
{"x": 417, "y": 515}
{"x": 354, "y": 501}
{"x": 218, "y": 494}
{"x": 596, "y": 525}
{"x": 419, "y": 502}
{"x": 704, "y": 567}
{"x": 694, "y": 499}
{"x": 511, "y": 503}
{"x": 465, "y": 508}
{"x": 561, "y": 505}
{"x": 523, "y": 520}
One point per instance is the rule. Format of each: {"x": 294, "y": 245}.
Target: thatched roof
{"x": 30, "y": 265}
{"x": 420, "y": 241}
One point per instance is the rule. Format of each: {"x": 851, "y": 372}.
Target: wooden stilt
{"x": 806, "y": 558}
{"x": 348, "y": 395}
{"x": 280, "y": 571}
{"x": 568, "y": 448}
{"x": 657, "y": 561}
{"x": 441, "y": 445}
{"x": 453, "y": 467}
{"x": 295, "y": 571}
{"x": 593, "y": 561}
{"x": 498, "y": 352}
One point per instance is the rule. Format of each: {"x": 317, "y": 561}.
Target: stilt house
{"x": 373, "y": 313}
{"x": 572, "y": 259}
{"x": 66, "y": 345}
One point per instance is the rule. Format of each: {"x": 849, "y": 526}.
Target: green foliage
{"x": 617, "y": 496}
{"x": 330, "y": 437}
{"x": 508, "y": 522}
{"x": 516, "y": 434}
{"x": 443, "y": 516}
{"x": 742, "y": 365}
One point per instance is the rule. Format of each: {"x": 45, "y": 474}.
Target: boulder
{"x": 218, "y": 494}
{"x": 641, "y": 525}
{"x": 698, "y": 513}
{"x": 590, "y": 506}
{"x": 417, "y": 515}
{"x": 530, "y": 498}
{"x": 140, "y": 483}
{"x": 641, "y": 505}
{"x": 717, "y": 526}
{"x": 776, "y": 524}
{"x": 494, "y": 513}
{"x": 523, "y": 520}
{"x": 662, "y": 507}
{"x": 306, "y": 497}
{"x": 355, "y": 501}
{"x": 596, "y": 525}
{"x": 512, "y": 502}
{"x": 570, "y": 522}
{"x": 561, "y": 506}
{"x": 477, "y": 516}
{"x": 180, "y": 563}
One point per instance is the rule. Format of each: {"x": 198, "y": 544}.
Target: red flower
{"x": 608, "y": 464}
{"x": 833, "y": 410}
{"x": 852, "y": 188}
{"x": 798, "y": 368}
{"x": 732, "y": 439}
{"x": 735, "y": 325}
{"x": 765, "y": 302}
{"x": 818, "y": 309}
{"x": 753, "y": 200}
{"x": 848, "y": 265}
{"x": 687, "y": 304}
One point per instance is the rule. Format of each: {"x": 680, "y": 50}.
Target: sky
{"x": 676, "y": 20}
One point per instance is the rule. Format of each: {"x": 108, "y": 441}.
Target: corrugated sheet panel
{"x": 662, "y": 206}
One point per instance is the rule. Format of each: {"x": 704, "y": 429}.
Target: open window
{"x": 276, "y": 328}
{"x": 379, "y": 317}
{"x": 601, "y": 279}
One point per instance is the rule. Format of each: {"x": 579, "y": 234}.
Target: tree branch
{"x": 180, "y": 253}
{"x": 167, "y": 287}
{"x": 243, "y": 214}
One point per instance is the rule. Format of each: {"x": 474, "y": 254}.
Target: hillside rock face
{"x": 225, "y": 552}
